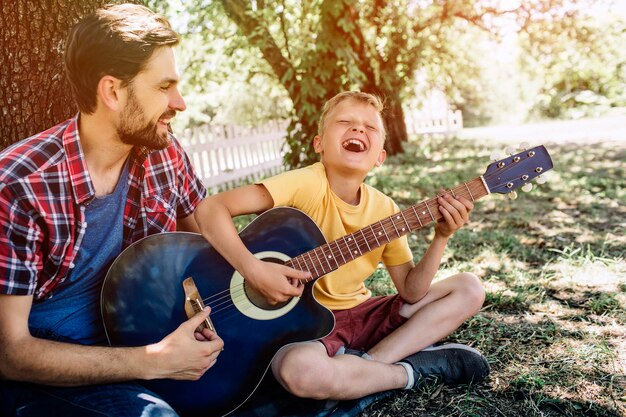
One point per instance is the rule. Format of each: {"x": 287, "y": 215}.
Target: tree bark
{"x": 393, "y": 117}
{"x": 34, "y": 93}
{"x": 385, "y": 83}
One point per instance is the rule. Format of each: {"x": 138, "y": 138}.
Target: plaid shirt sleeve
{"x": 190, "y": 187}
{"x": 20, "y": 245}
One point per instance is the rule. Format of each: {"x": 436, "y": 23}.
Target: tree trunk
{"x": 395, "y": 125}
{"x": 393, "y": 118}
{"x": 34, "y": 93}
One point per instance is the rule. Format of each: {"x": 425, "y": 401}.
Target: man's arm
{"x": 23, "y": 357}
{"x": 412, "y": 281}
{"x": 214, "y": 216}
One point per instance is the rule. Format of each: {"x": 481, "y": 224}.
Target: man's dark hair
{"x": 117, "y": 40}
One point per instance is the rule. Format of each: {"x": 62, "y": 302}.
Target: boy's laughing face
{"x": 353, "y": 137}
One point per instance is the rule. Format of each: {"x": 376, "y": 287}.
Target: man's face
{"x": 152, "y": 101}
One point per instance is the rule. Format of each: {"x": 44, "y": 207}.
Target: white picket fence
{"x": 420, "y": 123}
{"x": 226, "y": 156}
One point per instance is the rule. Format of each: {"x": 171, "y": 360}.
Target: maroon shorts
{"x": 363, "y": 326}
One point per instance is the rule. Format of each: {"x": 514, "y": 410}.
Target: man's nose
{"x": 177, "y": 102}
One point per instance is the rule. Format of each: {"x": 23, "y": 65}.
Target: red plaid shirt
{"x": 45, "y": 187}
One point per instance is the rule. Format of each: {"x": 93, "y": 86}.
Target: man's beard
{"x": 148, "y": 135}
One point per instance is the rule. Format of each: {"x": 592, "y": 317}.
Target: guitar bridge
{"x": 194, "y": 304}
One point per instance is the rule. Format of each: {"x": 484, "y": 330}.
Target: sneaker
{"x": 453, "y": 363}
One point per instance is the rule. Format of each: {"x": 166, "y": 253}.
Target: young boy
{"x": 378, "y": 331}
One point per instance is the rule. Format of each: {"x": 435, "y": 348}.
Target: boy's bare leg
{"x": 443, "y": 309}
{"x": 306, "y": 370}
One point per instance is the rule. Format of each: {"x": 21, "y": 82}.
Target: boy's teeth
{"x": 353, "y": 144}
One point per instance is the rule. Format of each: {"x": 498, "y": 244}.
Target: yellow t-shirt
{"x": 307, "y": 189}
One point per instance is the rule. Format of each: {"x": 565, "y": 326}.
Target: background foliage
{"x": 553, "y": 263}
{"x": 247, "y": 61}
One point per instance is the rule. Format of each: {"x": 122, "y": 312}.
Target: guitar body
{"x": 143, "y": 301}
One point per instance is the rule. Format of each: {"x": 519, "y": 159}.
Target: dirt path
{"x": 610, "y": 130}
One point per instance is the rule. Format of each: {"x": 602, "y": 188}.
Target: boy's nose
{"x": 358, "y": 129}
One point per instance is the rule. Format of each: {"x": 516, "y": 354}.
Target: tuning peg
{"x": 523, "y": 146}
{"x": 509, "y": 150}
{"x": 512, "y": 195}
{"x": 542, "y": 179}
{"x": 527, "y": 187}
{"x": 495, "y": 155}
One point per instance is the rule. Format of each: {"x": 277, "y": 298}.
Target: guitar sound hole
{"x": 259, "y": 300}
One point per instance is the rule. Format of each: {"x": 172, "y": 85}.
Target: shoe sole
{"x": 452, "y": 346}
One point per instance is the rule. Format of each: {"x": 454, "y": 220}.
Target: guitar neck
{"x": 326, "y": 258}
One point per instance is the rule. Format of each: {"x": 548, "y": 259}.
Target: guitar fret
{"x": 407, "y": 223}
{"x": 348, "y": 247}
{"x": 319, "y": 260}
{"x": 374, "y": 233}
{"x": 306, "y": 266}
{"x": 296, "y": 259}
{"x": 469, "y": 191}
{"x": 326, "y": 258}
{"x": 385, "y": 231}
{"x": 417, "y": 215}
{"x": 430, "y": 212}
{"x": 340, "y": 252}
{"x": 351, "y": 239}
{"x": 313, "y": 263}
{"x": 332, "y": 254}
{"x": 365, "y": 239}
{"x": 394, "y": 225}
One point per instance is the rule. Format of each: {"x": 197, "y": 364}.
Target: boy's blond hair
{"x": 366, "y": 98}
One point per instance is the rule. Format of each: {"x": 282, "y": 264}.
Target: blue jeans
{"x": 127, "y": 399}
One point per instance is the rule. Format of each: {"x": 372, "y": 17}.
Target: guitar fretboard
{"x": 326, "y": 258}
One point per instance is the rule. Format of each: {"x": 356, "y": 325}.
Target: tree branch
{"x": 259, "y": 36}
{"x": 283, "y": 28}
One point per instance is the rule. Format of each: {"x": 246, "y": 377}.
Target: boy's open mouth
{"x": 354, "y": 145}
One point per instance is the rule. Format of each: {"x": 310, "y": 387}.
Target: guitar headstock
{"x": 505, "y": 175}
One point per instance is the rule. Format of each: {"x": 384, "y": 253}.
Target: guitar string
{"x": 387, "y": 224}
{"x": 240, "y": 291}
{"x": 225, "y": 293}
{"x": 368, "y": 233}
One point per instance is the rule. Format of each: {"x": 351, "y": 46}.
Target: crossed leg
{"x": 306, "y": 370}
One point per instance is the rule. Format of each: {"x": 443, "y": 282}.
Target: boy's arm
{"x": 412, "y": 281}
{"x": 214, "y": 216}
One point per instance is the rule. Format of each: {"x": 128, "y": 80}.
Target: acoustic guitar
{"x": 158, "y": 282}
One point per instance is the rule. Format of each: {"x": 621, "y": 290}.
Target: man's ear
{"x": 381, "y": 157}
{"x": 317, "y": 144}
{"x": 110, "y": 93}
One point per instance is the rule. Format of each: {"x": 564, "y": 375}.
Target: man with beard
{"x": 71, "y": 198}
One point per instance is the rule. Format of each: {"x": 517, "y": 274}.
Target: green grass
{"x": 553, "y": 325}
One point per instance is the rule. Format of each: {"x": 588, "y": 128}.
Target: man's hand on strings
{"x": 186, "y": 353}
